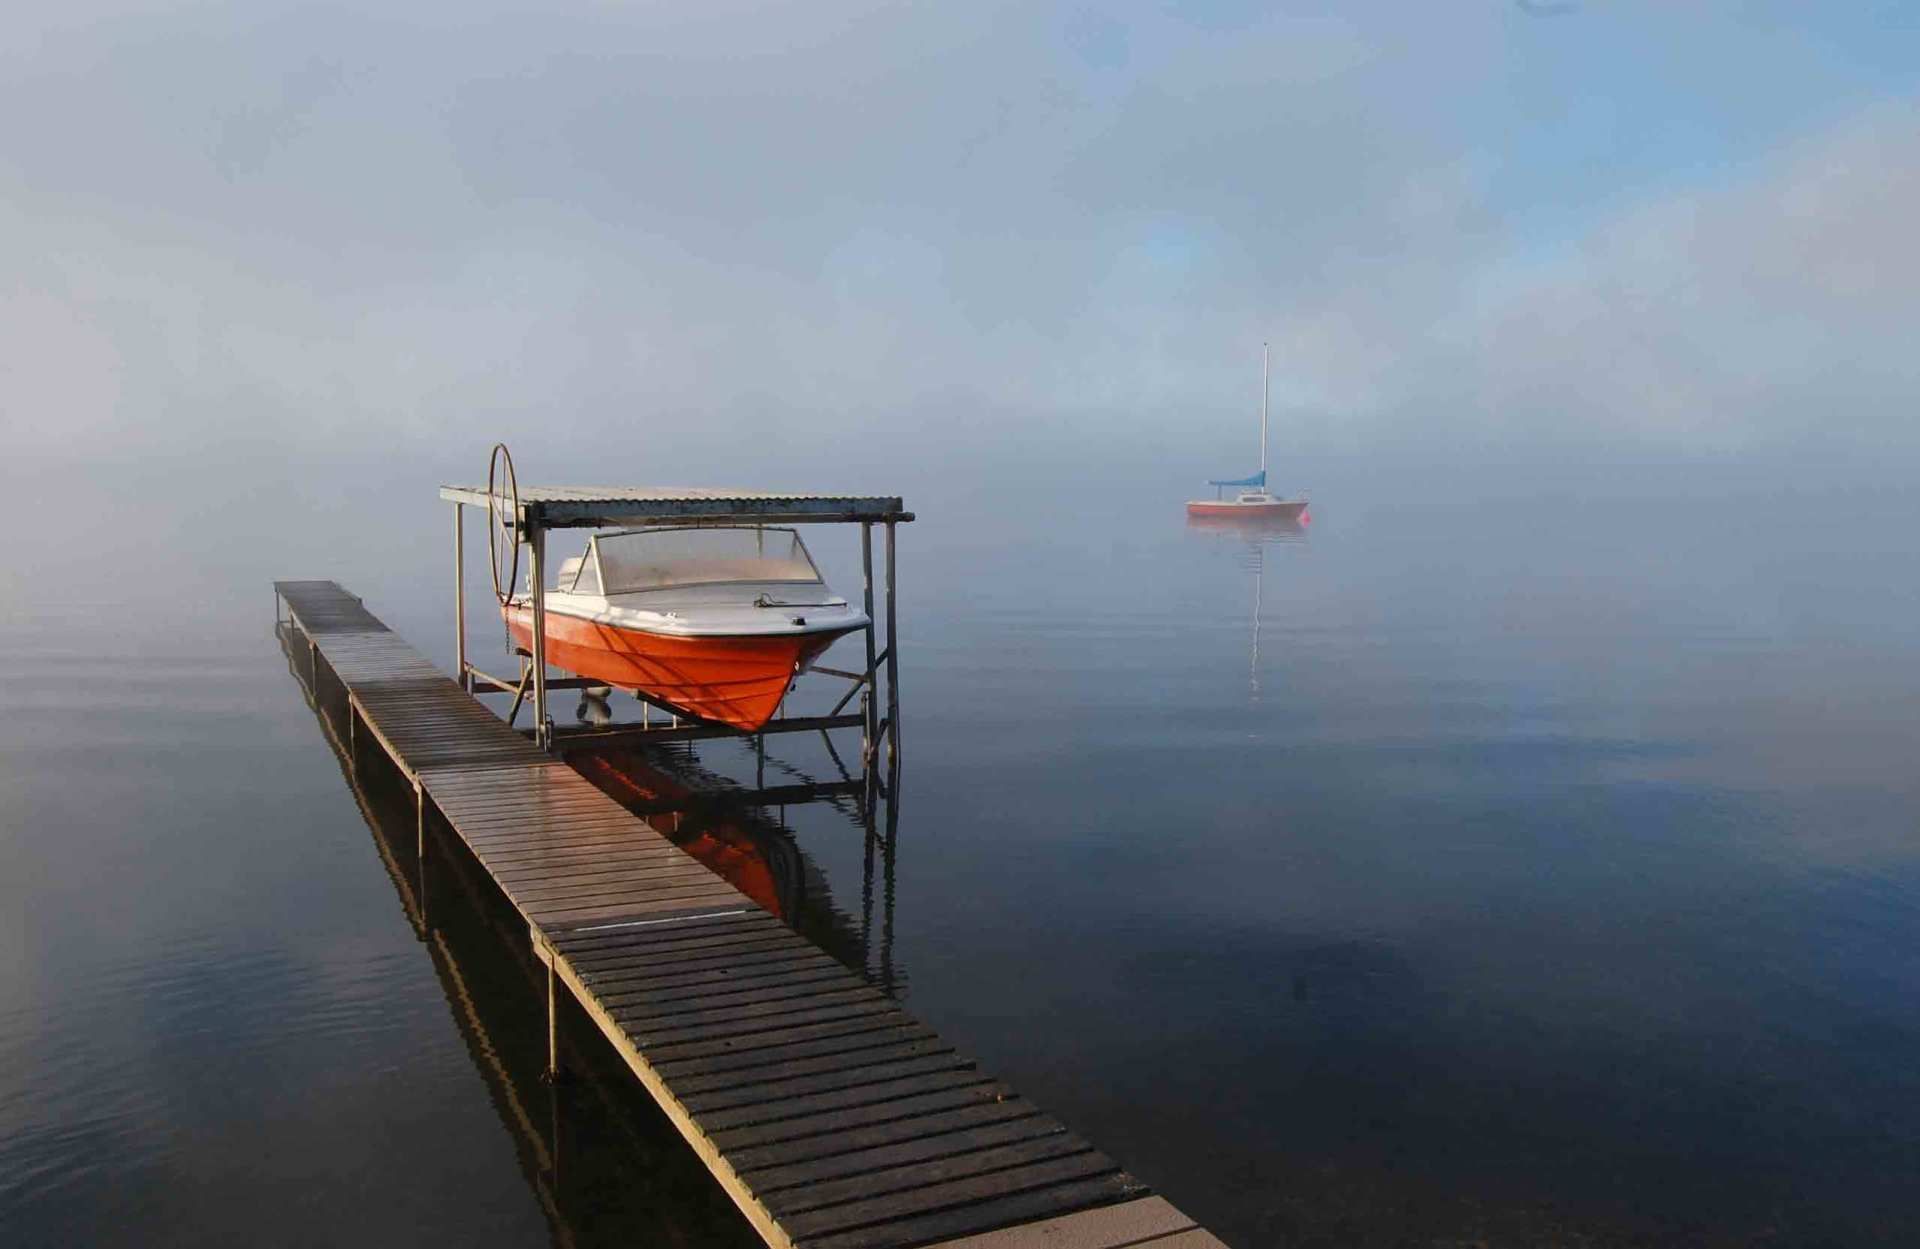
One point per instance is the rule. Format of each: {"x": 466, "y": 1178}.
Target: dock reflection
{"x": 603, "y": 1162}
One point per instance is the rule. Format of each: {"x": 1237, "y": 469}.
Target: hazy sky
{"x": 704, "y": 236}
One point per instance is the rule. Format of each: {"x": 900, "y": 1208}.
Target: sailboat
{"x": 1251, "y": 500}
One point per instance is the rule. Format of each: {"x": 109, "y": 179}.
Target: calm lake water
{"x": 1540, "y": 873}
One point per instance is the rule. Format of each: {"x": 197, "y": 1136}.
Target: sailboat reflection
{"x": 602, "y": 1161}
{"x": 1254, "y": 536}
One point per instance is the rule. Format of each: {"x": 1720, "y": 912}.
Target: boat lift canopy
{"x": 611, "y": 507}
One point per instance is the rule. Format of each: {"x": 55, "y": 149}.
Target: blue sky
{"x": 1616, "y": 102}
{"x": 1645, "y": 226}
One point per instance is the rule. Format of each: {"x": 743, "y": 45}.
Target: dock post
{"x": 869, "y": 709}
{"x": 893, "y": 658}
{"x": 537, "y": 573}
{"x": 866, "y": 896}
{"x": 420, "y": 855}
{"x": 866, "y": 743}
{"x": 553, "y": 1134}
{"x": 553, "y": 1022}
{"x": 460, "y": 598}
{"x": 888, "y": 980}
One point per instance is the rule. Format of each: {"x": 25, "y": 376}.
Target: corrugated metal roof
{"x": 561, "y": 507}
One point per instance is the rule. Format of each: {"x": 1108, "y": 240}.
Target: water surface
{"x": 1528, "y": 873}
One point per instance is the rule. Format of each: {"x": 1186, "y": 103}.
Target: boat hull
{"x": 1228, "y": 509}
{"x": 732, "y": 680}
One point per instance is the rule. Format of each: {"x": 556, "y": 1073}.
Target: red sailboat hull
{"x": 1279, "y": 509}
{"x": 738, "y": 681}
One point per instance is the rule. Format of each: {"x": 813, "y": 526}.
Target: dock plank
{"x": 1143, "y": 1221}
{"x": 872, "y": 1138}
{"x": 857, "y": 1171}
{"x": 946, "y": 1196}
{"x": 983, "y": 1215}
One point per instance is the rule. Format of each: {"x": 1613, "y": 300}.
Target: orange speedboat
{"x": 713, "y": 623}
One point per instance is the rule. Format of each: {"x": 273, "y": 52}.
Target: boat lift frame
{"x": 536, "y": 511}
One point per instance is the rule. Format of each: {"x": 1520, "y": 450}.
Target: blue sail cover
{"x": 1258, "y": 479}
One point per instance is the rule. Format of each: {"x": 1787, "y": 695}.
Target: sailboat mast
{"x": 1264, "y": 388}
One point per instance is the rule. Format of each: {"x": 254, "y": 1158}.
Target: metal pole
{"x": 460, "y": 597}
{"x": 866, "y": 896}
{"x": 867, "y": 779}
{"x": 519, "y": 693}
{"x": 887, "y": 985}
{"x": 420, "y": 851}
{"x": 1264, "y": 388}
{"x": 537, "y": 571}
{"x": 866, "y": 588}
{"x": 893, "y": 657}
{"x": 553, "y": 1022}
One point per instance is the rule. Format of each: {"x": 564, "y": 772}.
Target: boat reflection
{"x": 602, "y": 1161}
{"x": 1254, "y": 535}
{"x": 739, "y": 831}
{"x": 1260, "y": 530}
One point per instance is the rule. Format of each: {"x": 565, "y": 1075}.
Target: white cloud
{"x": 1775, "y": 304}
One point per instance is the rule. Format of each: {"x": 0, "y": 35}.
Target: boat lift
{"x": 523, "y": 516}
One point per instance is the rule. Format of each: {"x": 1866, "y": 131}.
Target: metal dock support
{"x": 831, "y": 1117}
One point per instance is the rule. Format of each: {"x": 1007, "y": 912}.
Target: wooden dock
{"x": 831, "y": 1117}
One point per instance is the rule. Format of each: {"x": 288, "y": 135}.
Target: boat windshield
{"x": 657, "y": 559}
